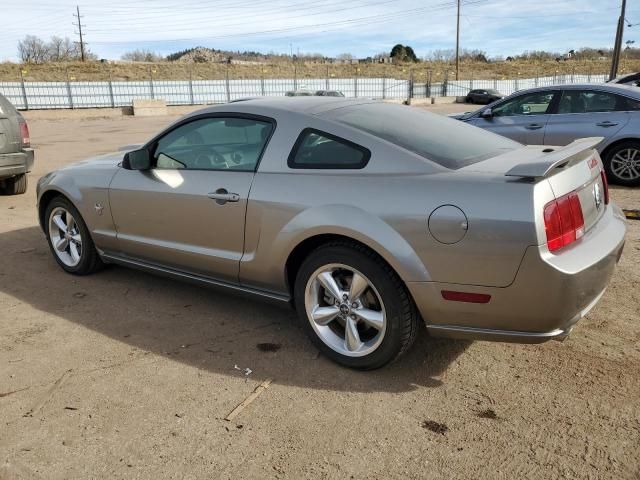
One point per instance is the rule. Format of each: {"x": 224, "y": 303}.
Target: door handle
{"x": 607, "y": 123}
{"x": 533, "y": 126}
{"x": 222, "y": 196}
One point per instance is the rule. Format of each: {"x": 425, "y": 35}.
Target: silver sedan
{"x": 559, "y": 114}
{"x": 368, "y": 218}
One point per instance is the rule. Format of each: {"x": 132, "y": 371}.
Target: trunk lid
{"x": 576, "y": 167}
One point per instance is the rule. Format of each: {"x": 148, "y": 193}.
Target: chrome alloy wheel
{"x": 626, "y": 164}
{"x": 65, "y": 236}
{"x": 345, "y": 310}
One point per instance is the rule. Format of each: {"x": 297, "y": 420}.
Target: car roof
{"x": 308, "y": 105}
{"x": 608, "y": 87}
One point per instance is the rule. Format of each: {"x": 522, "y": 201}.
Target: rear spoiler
{"x": 544, "y": 165}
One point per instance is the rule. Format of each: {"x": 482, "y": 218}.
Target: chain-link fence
{"x": 26, "y": 95}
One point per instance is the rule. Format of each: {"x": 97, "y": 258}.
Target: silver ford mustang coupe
{"x": 367, "y": 217}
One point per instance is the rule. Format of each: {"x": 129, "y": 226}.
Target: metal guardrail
{"x": 109, "y": 94}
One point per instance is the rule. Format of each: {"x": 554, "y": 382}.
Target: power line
{"x": 79, "y": 25}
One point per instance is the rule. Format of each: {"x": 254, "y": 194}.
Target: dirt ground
{"x": 126, "y": 375}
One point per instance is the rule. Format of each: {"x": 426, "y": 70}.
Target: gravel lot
{"x": 127, "y": 375}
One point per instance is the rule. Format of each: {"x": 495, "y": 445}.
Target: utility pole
{"x": 458, "y": 42}
{"x": 79, "y": 25}
{"x": 618, "y": 45}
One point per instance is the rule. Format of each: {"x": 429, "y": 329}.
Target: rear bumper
{"x": 548, "y": 296}
{"x": 16, "y": 163}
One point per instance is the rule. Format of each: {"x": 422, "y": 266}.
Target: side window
{"x": 590, "y": 101}
{"x": 315, "y": 149}
{"x": 530, "y": 104}
{"x": 631, "y": 105}
{"x": 214, "y": 143}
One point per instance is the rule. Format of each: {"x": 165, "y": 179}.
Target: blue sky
{"x": 331, "y": 27}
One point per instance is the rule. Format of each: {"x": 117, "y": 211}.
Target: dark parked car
{"x": 329, "y": 93}
{"x": 481, "y": 95}
{"x": 632, "y": 79}
{"x": 16, "y": 158}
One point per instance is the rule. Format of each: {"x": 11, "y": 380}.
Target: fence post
{"x": 326, "y": 80}
{"x": 151, "y": 84}
{"x": 573, "y": 73}
{"x": 535, "y": 80}
{"x": 495, "y": 82}
{"x": 384, "y": 85}
{"x": 69, "y": 96}
{"x": 24, "y": 91}
{"x": 589, "y": 75}
{"x": 113, "y": 102}
{"x": 410, "y": 85}
{"x": 295, "y": 76}
{"x": 262, "y": 81}
{"x": 444, "y": 83}
{"x": 226, "y": 84}
{"x": 191, "y": 98}
{"x": 355, "y": 84}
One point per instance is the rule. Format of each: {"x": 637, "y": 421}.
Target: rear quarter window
{"x": 320, "y": 150}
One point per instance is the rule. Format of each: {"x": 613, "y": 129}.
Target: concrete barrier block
{"x": 149, "y": 108}
{"x": 444, "y": 100}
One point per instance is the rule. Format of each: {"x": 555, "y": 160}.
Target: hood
{"x": 107, "y": 161}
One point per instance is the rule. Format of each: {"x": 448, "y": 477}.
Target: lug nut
{"x": 354, "y": 305}
{"x": 353, "y": 317}
{"x": 345, "y": 296}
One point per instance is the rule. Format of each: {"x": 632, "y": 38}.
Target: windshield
{"x": 450, "y": 143}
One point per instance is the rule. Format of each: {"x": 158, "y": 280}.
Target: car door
{"x": 521, "y": 118}
{"x": 586, "y": 113}
{"x": 188, "y": 211}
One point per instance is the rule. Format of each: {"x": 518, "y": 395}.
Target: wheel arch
{"x": 45, "y": 199}
{"x": 607, "y": 149}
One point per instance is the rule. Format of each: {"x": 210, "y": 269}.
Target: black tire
{"x": 14, "y": 185}
{"x": 90, "y": 261}
{"x": 611, "y": 153}
{"x": 468, "y": 100}
{"x": 401, "y": 313}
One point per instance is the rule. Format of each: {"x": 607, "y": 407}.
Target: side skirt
{"x": 195, "y": 279}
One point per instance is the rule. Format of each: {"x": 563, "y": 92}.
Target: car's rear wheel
{"x": 14, "y": 185}
{"x": 622, "y": 164}
{"x": 69, "y": 238}
{"x": 354, "y": 307}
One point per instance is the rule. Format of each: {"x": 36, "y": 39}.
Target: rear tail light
{"x": 24, "y": 133}
{"x": 563, "y": 221}
{"x": 605, "y": 187}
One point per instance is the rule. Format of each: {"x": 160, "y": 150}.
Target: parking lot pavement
{"x": 122, "y": 374}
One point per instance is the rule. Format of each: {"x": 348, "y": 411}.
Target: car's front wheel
{"x": 468, "y": 100}
{"x": 622, "y": 164}
{"x": 354, "y": 307}
{"x": 69, "y": 238}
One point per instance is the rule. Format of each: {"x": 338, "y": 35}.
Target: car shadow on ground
{"x": 209, "y": 329}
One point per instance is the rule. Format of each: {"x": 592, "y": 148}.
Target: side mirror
{"x": 137, "y": 160}
{"x": 487, "y": 113}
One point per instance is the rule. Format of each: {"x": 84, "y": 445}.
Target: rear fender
{"x": 359, "y": 225}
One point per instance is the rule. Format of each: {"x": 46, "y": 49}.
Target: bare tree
{"x": 62, "y": 49}
{"x": 141, "y": 55}
{"x": 32, "y": 50}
